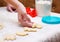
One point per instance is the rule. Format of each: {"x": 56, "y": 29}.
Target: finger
{"x": 23, "y": 17}
{"x": 21, "y": 21}
{"x": 20, "y": 18}
{"x": 27, "y": 18}
{"x": 10, "y": 9}
{"x": 29, "y": 24}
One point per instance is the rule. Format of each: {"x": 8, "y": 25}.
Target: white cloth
{"x": 49, "y": 32}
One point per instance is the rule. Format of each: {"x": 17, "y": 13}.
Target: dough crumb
{"x": 10, "y": 37}
{"x": 34, "y": 25}
{"x": 21, "y": 33}
{"x": 38, "y": 26}
{"x": 1, "y": 40}
{"x": 1, "y": 26}
{"x": 29, "y": 29}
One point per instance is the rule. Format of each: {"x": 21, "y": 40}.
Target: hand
{"x": 10, "y": 8}
{"x": 24, "y": 20}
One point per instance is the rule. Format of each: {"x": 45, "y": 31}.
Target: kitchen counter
{"x": 10, "y": 22}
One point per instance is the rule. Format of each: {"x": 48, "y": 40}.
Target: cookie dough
{"x": 38, "y": 26}
{"x": 21, "y": 33}
{"x": 1, "y": 40}
{"x": 1, "y": 26}
{"x": 29, "y": 29}
{"x": 34, "y": 25}
{"x": 10, "y": 37}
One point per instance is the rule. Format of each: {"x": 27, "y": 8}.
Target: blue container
{"x": 51, "y": 20}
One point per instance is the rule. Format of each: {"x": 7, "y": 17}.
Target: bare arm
{"x": 22, "y": 15}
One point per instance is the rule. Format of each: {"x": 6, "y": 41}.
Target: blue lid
{"x": 51, "y": 20}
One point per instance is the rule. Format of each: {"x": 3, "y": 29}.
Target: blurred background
{"x": 31, "y": 3}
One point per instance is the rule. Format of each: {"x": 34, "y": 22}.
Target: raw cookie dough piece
{"x": 1, "y": 26}
{"x": 29, "y": 29}
{"x": 21, "y": 33}
{"x": 10, "y": 37}
{"x": 1, "y": 40}
{"x": 38, "y": 26}
{"x": 34, "y": 25}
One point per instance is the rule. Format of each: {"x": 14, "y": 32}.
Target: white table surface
{"x": 10, "y": 22}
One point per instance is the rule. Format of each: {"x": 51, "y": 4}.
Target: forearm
{"x": 19, "y": 6}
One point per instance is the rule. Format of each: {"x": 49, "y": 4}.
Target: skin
{"x": 22, "y": 15}
{"x": 10, "y": 8}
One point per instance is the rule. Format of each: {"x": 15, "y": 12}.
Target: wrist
{"x": 21, "y": 10}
